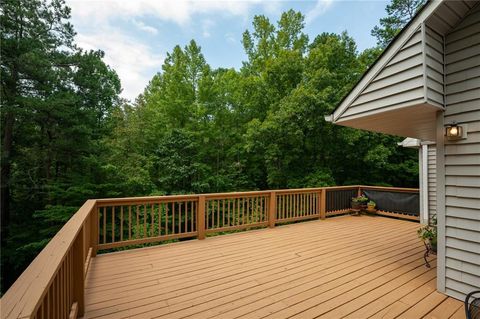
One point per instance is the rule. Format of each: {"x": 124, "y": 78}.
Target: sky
{"x": 137, "y": 34}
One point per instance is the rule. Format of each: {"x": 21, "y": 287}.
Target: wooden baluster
{"x": 243, "y": 211}
{"x": 173, "y": 217}
{"x": 305, "y": 204}
{"x": 121, "y": 223}
{"x": 192, "y": 214}
{"x": 313, "y": 203}
{"x": 129, "y": 222}
{"x": 207, "y": 219}
{"x": 186, "y": 217}
{"x": 238, "y": 211}
{"x": 248, "y": 217}
{"x": 262, "y": 216}
{"x": 55, "y": 298}
{"x": 302, "y": 204}
{"x": 69, "y": 276}
{"x": 289, "y": 203}
{"x": 257, "y": 209}
{"x": 78, "y": 273}
{"x": 94, "y": 233}
{"x": 179, "y": 218}
{"x": 138, "y": 220}
{"x": 104, "y": 224}
{"x": 48, "y": 298}
{"x": 66, "y": 304}
{"x": 218, "y": 213}
{"x": 223, "y": 212}
{"x": 113, "y": 224}
{"x": 280, "y": 209}
{"x": 201, "y": 217}
{"x": 287, "y": 206}
{"x": 160, "y": 209}
{"x": 66, "y": 307}
{"x": 296, "y": 198}
{"x": 166, "y": 218}
{"x": 228, "y": 212}
{"x": 153, "y": 219}
{"x": 61, "y": 305}
{"x": 297, "y": 203}
{"x": 145, "y": 220}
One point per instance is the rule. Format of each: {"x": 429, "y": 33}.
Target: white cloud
{"x": 143, "y": 27}
{"x": 230, "y": 37}
{"x": 320, "y": 8}
{"x": 134, "y": 61}
{"x": 178, "y": 11}
{"x": 108, "y": 24}
{"x": 207, "y": 25}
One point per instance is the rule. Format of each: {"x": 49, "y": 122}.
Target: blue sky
{"x": 137, "y": 34}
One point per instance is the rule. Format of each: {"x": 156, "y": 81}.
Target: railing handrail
{"x": 25, "y": 296}
{"x": 148, "y": 199}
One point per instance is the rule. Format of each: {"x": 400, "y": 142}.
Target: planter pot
{"x": 355, "y": 205}
{"x": 433, "y": 244}
{"x": 371, "y": 209}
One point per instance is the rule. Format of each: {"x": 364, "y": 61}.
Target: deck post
{"x": 201, "y": 217}
{"x": 323, "y": 202}
{"x": 78, "y": 272}
{"x": 94, "y": 230}
{"x": 272, "y": 210}
{"x": 359, "y": 192}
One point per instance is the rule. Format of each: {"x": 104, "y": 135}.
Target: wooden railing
{"x": 53, "y": 284}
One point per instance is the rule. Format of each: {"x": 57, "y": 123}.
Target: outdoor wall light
{"x": 455, "y": 132}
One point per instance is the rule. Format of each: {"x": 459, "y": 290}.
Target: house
{"x": 426, "y": 85}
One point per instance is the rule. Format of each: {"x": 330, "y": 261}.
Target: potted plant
{"x": 359, "y": 203}
{"x": 371, "y": 206}
{"x": 428, "y": 234}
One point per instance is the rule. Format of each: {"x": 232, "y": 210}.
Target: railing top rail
{"x": 391, "y": 189}
{"x": 164, "y": 198}
{"x": 150, "y": 199}
{"x": 144, "y": 199}
{"x": 23, "y": 297}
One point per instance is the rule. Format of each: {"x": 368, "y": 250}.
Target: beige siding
{"x": 434, "y": 67}
{"x": 400, "y": 82}
{"x": 432, "y": 181}
{"x": 462, "y": 158}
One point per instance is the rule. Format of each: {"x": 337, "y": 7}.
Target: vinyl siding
{"x": 434, "y": 67}
{"x": 432, "y": 181}
{"x": 462, "y": 158}
{"x": 400, "y": 82}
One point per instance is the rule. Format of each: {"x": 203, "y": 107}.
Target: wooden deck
{"x": 353, "y": 267}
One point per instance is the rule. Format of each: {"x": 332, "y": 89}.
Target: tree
{"x": 29, "y": 31}
{"x": 56, "y": 104}
{"x": 399, "y": 13}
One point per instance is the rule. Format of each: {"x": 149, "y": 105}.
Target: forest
{"x": 67, "y": 135}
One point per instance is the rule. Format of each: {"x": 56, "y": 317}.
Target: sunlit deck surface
{"x": 354, "y": 267}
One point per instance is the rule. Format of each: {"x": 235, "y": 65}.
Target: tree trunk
{"x": 5, "y": 173}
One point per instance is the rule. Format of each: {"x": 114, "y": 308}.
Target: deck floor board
{"x": 342, "y": 267}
